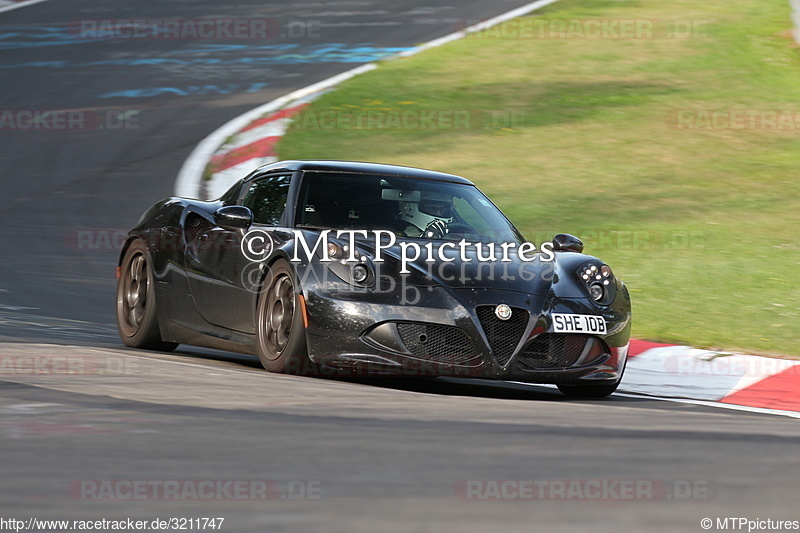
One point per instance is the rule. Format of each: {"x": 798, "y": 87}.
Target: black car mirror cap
{"x": 233, "y": 217}
{"x": 564, "y": 242}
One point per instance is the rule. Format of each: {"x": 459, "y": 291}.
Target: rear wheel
{"x": 137, "y": 316}
{"x": 280, "y": 332}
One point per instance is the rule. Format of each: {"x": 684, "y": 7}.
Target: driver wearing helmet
{"x": 429, "y": 217}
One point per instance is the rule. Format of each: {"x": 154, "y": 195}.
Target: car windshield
{"x": 408, "y": 207}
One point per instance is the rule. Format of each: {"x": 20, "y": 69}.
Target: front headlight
{"x": 335, "y": 251}
{"x": 598, "y": 278}
{"x": 360, "y": 273}
{"x": 597, "y": 292}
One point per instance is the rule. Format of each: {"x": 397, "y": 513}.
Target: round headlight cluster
{"x": 360, "y": 273}
{"x": 597, "y": 278}
{"x": 596, "y": 291}
{"x": 350, "y": 269}
{"x": 334, "y": 250}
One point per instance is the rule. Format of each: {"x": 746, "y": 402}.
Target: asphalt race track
{"x": 83, "y": 419}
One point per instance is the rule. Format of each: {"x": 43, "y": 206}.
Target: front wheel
{"x": 592, "y": 390}
{"x": 137, "y": 316}
{"x": 280, "y": 332}
{"x": 599, "y": 390}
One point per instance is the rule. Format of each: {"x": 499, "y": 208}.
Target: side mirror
{"x": 564, "y": 242}
{"x": 233, "y": 217}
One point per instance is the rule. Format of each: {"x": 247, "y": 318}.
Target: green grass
{"x": 701, "y": 223}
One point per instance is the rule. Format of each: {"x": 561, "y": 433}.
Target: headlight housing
{"x": 359, "y": 273}
{"x": 598, "y": 280}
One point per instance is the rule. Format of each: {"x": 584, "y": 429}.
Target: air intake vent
{"x": 444, "y": 344}
{"x": 552, "y": 351}
{"x": 196, "y": 226}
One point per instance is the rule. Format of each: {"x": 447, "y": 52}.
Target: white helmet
{"x": 430, "y": 215}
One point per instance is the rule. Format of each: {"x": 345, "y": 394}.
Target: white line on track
{"x": 719, "y": 405}
{"x": 704, "y": 403}
{"x": 17, "y": 5}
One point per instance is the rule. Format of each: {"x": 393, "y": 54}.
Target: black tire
{"x": 280, "y": 332}
{"x": 137, "y": 315}
{"x": 592, "y": 390}
{"x": 598, "y": 390}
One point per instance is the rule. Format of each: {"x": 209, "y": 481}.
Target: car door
{"x": 220, "y": 276}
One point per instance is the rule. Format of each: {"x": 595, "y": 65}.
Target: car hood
{"x": 472, "y": 270}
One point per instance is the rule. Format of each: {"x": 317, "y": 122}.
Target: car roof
{"x": 358, "y": 167}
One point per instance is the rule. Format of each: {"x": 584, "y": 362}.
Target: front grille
{"x": 444, "y": 344}
{"x": 503, "y": 335}
{"x": 552, "y": 350}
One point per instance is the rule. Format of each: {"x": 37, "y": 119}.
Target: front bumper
{"x": 431, "y": 331}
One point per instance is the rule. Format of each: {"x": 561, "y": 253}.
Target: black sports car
{"x": 361, "y": 268}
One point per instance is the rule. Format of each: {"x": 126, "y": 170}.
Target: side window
{"x": 266, "y": 198}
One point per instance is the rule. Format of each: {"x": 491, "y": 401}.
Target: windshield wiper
{"x": 312, "y": 226}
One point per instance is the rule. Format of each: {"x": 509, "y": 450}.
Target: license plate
{"x": 567, "y": 323}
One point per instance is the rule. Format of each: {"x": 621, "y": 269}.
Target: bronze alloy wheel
{"x": 279, "y": 315}
{"x": 135, "y": 285}
{"x": 281, "y": 337}
{"x": 137, "y": 318}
